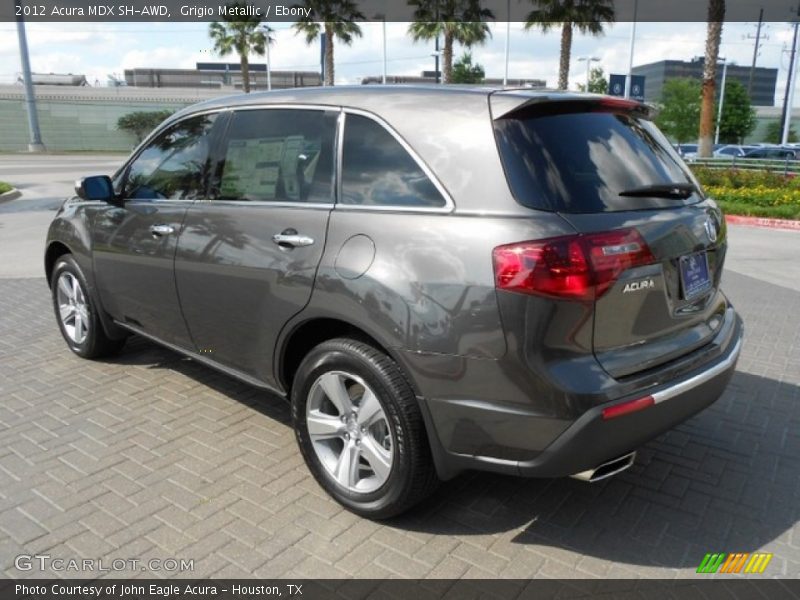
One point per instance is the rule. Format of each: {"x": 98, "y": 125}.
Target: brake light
{"x": 578, "y": 267}
{"x": 619, "y": 103}
{"x": 626, "y": 408}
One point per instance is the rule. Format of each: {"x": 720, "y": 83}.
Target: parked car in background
{"x": 772, "y": 153}
{"x": 437, "y": 279}
{"x": 687, "y": 151}
{"x": 733, "y": 150}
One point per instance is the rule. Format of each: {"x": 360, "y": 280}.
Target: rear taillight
{"x": 579, "y": 267}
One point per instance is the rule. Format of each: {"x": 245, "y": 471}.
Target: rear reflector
{"x": 579, "y": 267}
{"x": 626, "y": 408}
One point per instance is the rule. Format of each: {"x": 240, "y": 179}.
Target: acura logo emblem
{"x": 711, "y": 230}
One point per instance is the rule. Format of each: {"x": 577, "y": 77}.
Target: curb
{"x": 764, "y": 222}
{"x": 12, "y": 194}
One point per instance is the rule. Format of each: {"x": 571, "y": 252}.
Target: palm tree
{"x": 334, "y": 18}
{"x": 716, "y": 16}
{"x": 587, "y": 16}
{"x": 242, "y": 36}
{"x": 459, "y": 21}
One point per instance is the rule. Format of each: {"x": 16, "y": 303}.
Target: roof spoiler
{"x": 504, "y": 103}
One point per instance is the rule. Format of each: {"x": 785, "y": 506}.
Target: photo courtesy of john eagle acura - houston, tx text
{"x": 436, "y": 278}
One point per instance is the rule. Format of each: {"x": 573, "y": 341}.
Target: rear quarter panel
{"x": 430, "y": 284}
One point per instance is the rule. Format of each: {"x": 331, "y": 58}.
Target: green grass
{"x": 734, "y": 207}
{"x": 4, "y": 187}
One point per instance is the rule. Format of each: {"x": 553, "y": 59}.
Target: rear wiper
{"x": 663, "y": 190}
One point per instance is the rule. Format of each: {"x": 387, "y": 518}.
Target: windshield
{"x": 579, "y": 161}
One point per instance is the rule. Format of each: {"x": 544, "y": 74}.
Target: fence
{"x": 787, "y": 166}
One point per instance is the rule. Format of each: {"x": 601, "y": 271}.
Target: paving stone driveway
{"x": 153, "y": 456}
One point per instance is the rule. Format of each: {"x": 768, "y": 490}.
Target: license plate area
{"x": 695, "y": 279}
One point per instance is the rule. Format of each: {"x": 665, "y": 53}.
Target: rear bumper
{"x": 589, "y": 440}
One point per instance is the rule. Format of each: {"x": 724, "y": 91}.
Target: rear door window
{"x": 579, "y": 159}
{"x": 277, "y": 155}
{"x": 378, "y": 171}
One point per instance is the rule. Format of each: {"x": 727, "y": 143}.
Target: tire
{"x": 385, "y": 421}
{"x": 81, "y": 328}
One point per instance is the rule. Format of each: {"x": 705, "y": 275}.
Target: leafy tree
{"x": 587, "y": 16}
{"x": 598, "y": 84}
{"x": 738, "y": 115}
{"x": 679, "y": 116}
{"x": 775, "y": 132}
{"x": 140, "y": 123}
{"x": 716, "y": 17}
{"x": 336, "y": 19}
{"x": 241, "y": 35}
{"x": 461, "y": 21}
{"x": 465, "y": 72}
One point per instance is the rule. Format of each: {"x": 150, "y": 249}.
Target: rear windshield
{"x": 578, "y": 161}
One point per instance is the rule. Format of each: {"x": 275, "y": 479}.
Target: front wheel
{"x": 360, "y": 429}
{"x": 76, "y": 313}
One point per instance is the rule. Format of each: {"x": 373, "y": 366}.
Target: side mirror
{"x": 97, "y": 187}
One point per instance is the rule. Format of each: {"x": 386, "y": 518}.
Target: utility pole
{"x": 787, "y": 110}
{"x": 35, "y": 144}
{"x": 755, "y": 51}
{"x": 791, "y": 81}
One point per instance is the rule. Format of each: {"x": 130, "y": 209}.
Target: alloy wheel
{"x": 72, "y": 307}
{"x": 349, "y": 431}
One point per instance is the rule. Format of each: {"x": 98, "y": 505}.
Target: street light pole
{"x": 629, "y": 77}
{"x": 384, "y": 49}
{"x": 721, "y": 98}
{"x": 35, "y": 144}
{"x": 267, "y": 30}
{"x": 269, "y": 66}
{"x": 589, "y": 60}
{"x": 508, "y": 41}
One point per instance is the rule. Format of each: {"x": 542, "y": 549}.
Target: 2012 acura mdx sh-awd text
{"x": 438, "y": 279}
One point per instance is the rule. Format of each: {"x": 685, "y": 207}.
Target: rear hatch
{"x": 652, "y": 245}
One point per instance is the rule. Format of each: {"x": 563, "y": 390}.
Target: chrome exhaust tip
{"x": 607, "y": 469}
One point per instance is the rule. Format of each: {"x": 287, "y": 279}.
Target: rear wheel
{"x": 76, "y": 313}
{"x": 360, "y": 429}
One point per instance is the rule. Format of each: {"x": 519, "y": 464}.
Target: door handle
{"x": 159, "y": 230}
{"x": 289, "y": 238}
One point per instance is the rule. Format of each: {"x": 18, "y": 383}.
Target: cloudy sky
{"x": 100, "y": 49}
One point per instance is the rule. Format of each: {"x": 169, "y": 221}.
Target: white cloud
{"x": 98, "y": 49}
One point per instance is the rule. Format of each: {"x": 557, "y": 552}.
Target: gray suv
{"x": 438, "y": 279}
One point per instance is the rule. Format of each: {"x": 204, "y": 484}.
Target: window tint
{"x": 175, "y": 165}
{"x": 579, "y": 160}
{"x": 278, "y": 155}
{"x": 377, "y": 170}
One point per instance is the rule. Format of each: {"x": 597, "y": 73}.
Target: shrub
{"x": 140, "y": 123}
{"x": 752, "y": 193}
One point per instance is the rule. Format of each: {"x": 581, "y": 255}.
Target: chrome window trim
{"x": 315, "y": 205}
{"x": 339, "y": 146}
{"x": 449, "y": 205}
